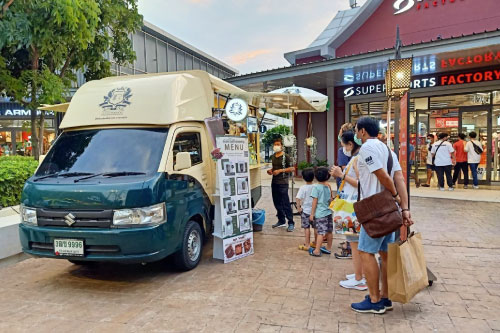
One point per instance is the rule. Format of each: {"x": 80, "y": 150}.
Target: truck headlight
{"x": 28, "y": 215}
{"x": 140, "y": 216}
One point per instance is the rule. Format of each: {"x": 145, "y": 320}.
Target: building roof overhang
{"x": 330, "y": 73}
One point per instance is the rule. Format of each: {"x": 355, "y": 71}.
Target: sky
{"x": 249, "y": 35}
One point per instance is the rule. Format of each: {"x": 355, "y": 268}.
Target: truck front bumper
{"x": 125, "y": 245}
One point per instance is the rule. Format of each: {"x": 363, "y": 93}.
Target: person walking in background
{"x": 282, "y": 167}
{"x": 429, "y": 163}
{"x": 304, "y": 206}
{"x": 342, "y": 159}
{"x": 321, "y": 214}
{"x": 474, "y": 149}
{"x": 461, "y": 165}
{"x": 374, "y": 177}
{"x": 443, "y": 156}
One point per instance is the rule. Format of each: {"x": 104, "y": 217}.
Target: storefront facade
{"x": 15, "y": 130}
{"x": 455, "y": 46}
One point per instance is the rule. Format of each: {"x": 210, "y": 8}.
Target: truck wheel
{"x": 189, "y": 255}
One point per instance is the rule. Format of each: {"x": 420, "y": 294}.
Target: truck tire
{"x": 189, "y": 255}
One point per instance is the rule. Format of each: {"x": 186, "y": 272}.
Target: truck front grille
{"x": 81, "y": 219}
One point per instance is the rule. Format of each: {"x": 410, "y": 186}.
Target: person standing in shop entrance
{"x": 429, "y": 163}
{"x": 461, "y": 164}
{"x": 474, "y": 149}
{"x": 443, "y": 155}
{"x": 282, "y": 167}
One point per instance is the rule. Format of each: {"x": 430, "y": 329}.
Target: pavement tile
{"x": 324, "y": 321}
{"x": 470, "y": 325}
{"x": 276, "y": 318}
{"x": 494, "y": 324}
{"x": 269, "y": 328}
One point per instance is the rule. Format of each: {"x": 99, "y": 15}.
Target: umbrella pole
{"x": 293, "y": 173}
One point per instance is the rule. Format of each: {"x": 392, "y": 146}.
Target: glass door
{"x": 495, "y": 140}
{"x": 478, "y": 121}
{"x": 418, "y": 145}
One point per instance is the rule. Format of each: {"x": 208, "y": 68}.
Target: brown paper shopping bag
{"x": 406, "y": 269}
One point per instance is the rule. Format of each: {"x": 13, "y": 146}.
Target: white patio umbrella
{"x": 316, "y": 99}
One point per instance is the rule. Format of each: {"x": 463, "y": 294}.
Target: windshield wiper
{"x": 46, "y": 176}
{"x": 67, "y": 174}
{"x": 123, "y": 173}
{"x": 111, "y": 175}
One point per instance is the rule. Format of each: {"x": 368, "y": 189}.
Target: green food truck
{"x": 130, "y": 179}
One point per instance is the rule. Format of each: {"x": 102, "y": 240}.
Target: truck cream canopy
{"x": 162, "y": 99}
{"x": 151, "y": 99}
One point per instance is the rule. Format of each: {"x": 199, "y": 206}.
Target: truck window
{"x": 191, "y": 143}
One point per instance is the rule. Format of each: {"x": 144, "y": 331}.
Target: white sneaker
{"x": 350, "y": 276}
{"x": 354, "y": 284}
{"x": 441, "y": 188}
{"x": 451, "y": 189}
{"x": 476, "y": 187}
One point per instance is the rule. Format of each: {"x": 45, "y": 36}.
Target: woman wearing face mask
{"x": 350, "y": 147}
{"x": 343, "y": 159}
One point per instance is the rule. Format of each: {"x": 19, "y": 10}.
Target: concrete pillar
{"x": 330, "y": 127}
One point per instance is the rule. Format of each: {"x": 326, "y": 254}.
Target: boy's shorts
{"x": 431, "y": 167}
{"x": 304, "y": 219}
{"x": 374, "y": 245}
{"x": 324, "y": 224}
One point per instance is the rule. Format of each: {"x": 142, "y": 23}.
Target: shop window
{"x": 357, "y": 111}
{"x": 443, "y": 102}
{"x": 191, "y": 143}
{"x": 496, "y": 97}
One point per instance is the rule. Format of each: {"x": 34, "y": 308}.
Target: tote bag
{"x": 344, "y": 217}
{"x": 406, "y": 269}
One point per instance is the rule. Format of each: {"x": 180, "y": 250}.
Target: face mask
{"x": 358, "y": 141}
{"x": 339, "y": 138}
{"x": 277, "y": 149}
{"x": 346, "y": 152}
{"x": 428, "y": 141}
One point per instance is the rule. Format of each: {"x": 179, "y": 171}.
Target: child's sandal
{"x": 302, "y": 247}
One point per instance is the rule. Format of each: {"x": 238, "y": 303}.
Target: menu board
{"x": 233, "y": 218}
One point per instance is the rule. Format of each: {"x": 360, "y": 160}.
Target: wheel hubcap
{"x": 194, "y": 245}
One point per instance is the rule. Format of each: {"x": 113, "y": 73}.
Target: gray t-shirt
{"x": 277, "y": 162}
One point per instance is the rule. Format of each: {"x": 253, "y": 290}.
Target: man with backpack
{"x": 474, "y": 149}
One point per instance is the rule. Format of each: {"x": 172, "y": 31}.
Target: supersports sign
{"x": 402, "y": 6}
{"x": 477, "y": 76}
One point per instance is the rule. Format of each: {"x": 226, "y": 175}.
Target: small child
{"x": 304, "y": 206}
{"x": 321, "y": 213}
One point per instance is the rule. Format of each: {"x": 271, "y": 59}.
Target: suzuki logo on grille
{"x": 69, "y": 219}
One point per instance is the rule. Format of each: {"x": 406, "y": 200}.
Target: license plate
{"x": 68, "y": 247}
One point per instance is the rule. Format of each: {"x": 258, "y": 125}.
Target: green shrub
{"x": 321, "y": 163}
{"x": 304, "y": 165}
{"x": 14, "y": 171}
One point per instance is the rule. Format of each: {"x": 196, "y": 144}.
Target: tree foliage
{"x": 273, "y": 133}
{"x": 44, "y": 42}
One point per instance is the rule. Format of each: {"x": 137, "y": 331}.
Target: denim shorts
{"x": 374, "y": 245}
{"x": 431, "y": 167}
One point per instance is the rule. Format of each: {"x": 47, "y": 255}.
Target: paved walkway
{"x": 279, "y": 289}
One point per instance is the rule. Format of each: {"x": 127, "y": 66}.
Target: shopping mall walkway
{"x": 278, "y": 289}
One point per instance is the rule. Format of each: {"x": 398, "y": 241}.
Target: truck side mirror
{"x": 182, "y": 161}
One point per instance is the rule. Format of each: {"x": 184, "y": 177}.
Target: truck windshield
{"x": 87, "y": 152}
